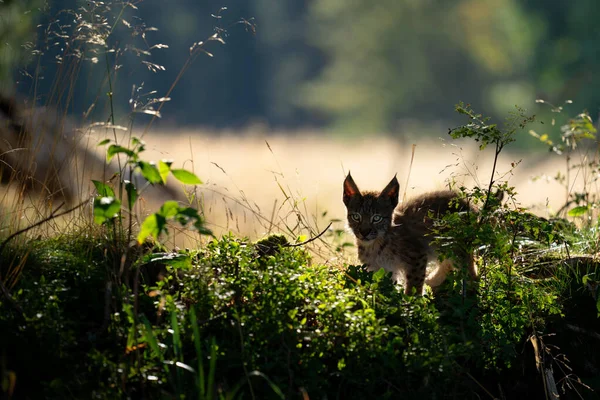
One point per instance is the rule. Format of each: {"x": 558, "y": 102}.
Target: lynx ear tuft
{"x": 391, "y": 191}
{"x": 350, "y": 189}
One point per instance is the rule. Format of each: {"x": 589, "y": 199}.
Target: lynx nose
{"x": 365, "y": 232}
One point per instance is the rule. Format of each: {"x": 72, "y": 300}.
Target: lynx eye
{"x": 376, "y": 218}
{"x": 355, "y": 217}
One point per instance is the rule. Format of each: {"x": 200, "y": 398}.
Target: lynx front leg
{"x": 415, "y": 276}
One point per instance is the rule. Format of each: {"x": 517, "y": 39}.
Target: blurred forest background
{"x": 351, "y": 66}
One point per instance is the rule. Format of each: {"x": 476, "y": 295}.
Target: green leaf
{"x": 150, "y": 172}
{"x": 153, "y": 226}
{"x": 115, "y": 149}
{"x": 378, "y": 276}
{"x": 185, "y": 215}
{"x": 186, "y": 177}
{"x": 578, "y": 211}
{"x": 175, "y": 260}
{"x": 103, "y": 189}
{"x": 585, "y": 279}
{"x": 132, "y": 194}
{"x": 169, "y": 209}
{"x": 139, "y": 145}
{"x": 105, "y": 208}
{"x": 103, "y": 142}
{"x": 150, "y": 338}
{"x": 163, "y": 169}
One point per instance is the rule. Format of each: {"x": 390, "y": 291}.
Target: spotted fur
{"x": 398, "y": 239}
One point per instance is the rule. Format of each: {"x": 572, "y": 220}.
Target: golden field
{"x": 258, "y": 183}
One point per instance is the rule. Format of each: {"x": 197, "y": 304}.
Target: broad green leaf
{"x": 132, "y": 194}
{"x": 377, "y": 276}
{"x": 186, "y": 177}
{"x": 187, "y": 214}
{"x": 115, "y": 149}
{"x": 169, "y": 209}
{"x": 153, "y": 225}
{"x": 175, "y": 260}
{"x": 105, "y": 208}
{"x": 150, "y": 172}
{"x": 163, "y": 169}
{"x": 148, "y": 228}
{"x": 103, "y": 189}
{"x": 190, "y": 214}
{"x": 578, "y": 211}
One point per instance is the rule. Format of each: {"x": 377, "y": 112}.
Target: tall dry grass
{"x": 258, "y": 182}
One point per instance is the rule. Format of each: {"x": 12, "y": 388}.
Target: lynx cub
{"x": 397, "y": 239}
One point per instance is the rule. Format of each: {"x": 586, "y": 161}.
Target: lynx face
{"x": 370, "y": 213}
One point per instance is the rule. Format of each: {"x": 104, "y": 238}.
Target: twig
{"x": 52, "y": 215}
{"x": 48, "y": 218}
{"x": 311, "y": 239}
{"x": 412, "y": 158}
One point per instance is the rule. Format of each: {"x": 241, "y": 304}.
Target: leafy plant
{"x": 510, "y": 306}
{"x": 576, "y": 146}
{"x": 107, "y": 206}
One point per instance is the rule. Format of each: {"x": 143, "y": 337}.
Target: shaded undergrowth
{"x": 229, "y": 320}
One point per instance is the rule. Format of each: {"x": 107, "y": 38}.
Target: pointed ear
{"x": 391, "y": 191}
{"x": 350, "y": 189}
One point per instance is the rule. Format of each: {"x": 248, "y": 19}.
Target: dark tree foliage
{"x": 360, "y": 67}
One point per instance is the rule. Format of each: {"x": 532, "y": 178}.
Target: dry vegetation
{"x": 259, "y": 182}
{"x": 255, "y": 172}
